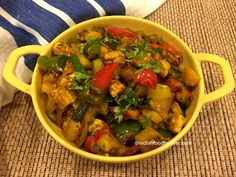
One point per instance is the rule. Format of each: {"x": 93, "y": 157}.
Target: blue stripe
{"x": 22, "y": 38}
{"x": 114, "y": 7}
{"x": 30, "y": 61}
{"x": 78, "y": 10}
{"x": 32, "y": 15}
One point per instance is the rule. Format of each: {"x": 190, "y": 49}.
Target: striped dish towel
{"x": 26, "y": 22}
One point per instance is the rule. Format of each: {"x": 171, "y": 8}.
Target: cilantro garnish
{"x": 118, "y": 113}
{"x": 92, "y": 43}
{"x": 157, "y": 50}
{"x": 97, "y": 90}
{"x": 112, "y": 42}
{"x": 138, "y": 51}
{"x": 81, "y": 76}
{"x": 143, "y": 46}
{"x": 116, "y": 74}
{"x": 131, "y": 53}
{"x": 77, "y": 88}
{"x": 151, "y": 64}
{"x": 77, "y": 65}
{"x": 127, "y": 100}
{"x": 140, "y": 55}
{"x": 83, "y": 82}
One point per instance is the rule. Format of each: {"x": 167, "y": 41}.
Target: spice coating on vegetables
{"x": 113, "y": 90}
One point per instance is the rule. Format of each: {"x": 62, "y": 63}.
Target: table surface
{"x": 207, "y": 26}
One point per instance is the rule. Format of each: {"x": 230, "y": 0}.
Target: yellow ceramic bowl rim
{"x": 197, "y": 58}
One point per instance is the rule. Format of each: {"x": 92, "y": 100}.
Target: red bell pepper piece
{"x": 120, "y": 32}
{"x": 147, "y": 78}
{"x": 112, "y": 109}
{"x": 173, "y": 84}
{"x": 154, "y": 46}
{"x": 183, "y": 96}
{"x": 99, "y": 133}
{"x": 89, "y": 143}
{"x": 103, "y": 77}
{"x": 166, "y": 47}
{"x": 92, "y": 139}
{"x": 127, "y": 114}
{"x": 131, "y": 113}
{"x": 131, "y": 150}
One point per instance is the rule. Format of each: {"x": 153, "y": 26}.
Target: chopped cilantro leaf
{"x": 138, "y": 51}
{"x": 77, "y": 88}
{"x": 157, "y": 50}
{"x": 118, "y": 113}
{"x": 97, "y": 90}
{"x": 141, "y": 55}
{"x": 112, "y": 42}
{"x": 80, "y": 81}
{"x": 81, "y": 76}
{"x": 116, "y": 74}
{"x": 151, "y": 64}
{"x": 93, "y": 43}
{"x": 132, "y": 53}
{"x": 77, "y": 65}
{"x": 143, "y": 46}
{"x": 128, "y": 99}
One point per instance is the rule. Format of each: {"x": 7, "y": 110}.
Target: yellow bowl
{"x": 190, "y": 59}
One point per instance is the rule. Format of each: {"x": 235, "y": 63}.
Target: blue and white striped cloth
{"x": 26, "y": 22}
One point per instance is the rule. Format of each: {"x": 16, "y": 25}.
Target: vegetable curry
{"x": 113, "y": 90}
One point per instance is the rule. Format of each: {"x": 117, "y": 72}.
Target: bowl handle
{"x": 9, "y": 68}
{"x": 227, "y": 74}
